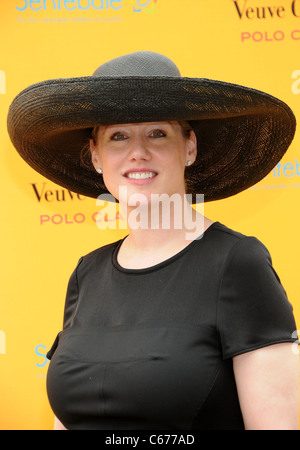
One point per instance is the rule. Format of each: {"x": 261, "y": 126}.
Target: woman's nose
{"x": 139, "y": 150}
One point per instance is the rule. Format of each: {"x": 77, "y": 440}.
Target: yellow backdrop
{"x": 44, "y": 229}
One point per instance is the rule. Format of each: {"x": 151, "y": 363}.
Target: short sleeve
{"x": 253, "y": 309}
{"x": 71, "y": 297}
{"x": 70, "y": 306}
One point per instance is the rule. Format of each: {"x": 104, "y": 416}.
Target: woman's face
{"x": 146, "y": 158}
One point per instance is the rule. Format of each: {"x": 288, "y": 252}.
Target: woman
{"x": 164, "y": 330}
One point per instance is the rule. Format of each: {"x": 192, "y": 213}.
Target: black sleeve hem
{"x": 257, "y": 347}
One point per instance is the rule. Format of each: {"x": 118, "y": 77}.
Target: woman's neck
{"x": 159, "y": 238}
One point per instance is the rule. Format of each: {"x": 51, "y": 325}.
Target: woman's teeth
{"x": 141, "y": 175}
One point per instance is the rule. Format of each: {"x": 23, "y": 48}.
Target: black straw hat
{"x": 242, "y": 133}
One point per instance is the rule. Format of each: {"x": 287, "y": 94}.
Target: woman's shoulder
{"x": 230, "y": 235}
{"x": 227, "y": 241}
{"x": 102, "y": 252}
{"x": 225, "y": 232}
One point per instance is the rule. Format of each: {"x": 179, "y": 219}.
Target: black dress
{"x": 152, "y": 348}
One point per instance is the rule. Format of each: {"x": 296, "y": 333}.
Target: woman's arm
{"x": 268, "y": 387}
{"x": 58, "y": 425}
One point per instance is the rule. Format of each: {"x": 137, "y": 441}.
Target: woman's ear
{"x": 191, "y": 148}
{"x": 94, "y": 154}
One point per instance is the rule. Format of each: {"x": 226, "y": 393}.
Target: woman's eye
{"x": 118, "y": 137}
{"x": 158, "y": 134}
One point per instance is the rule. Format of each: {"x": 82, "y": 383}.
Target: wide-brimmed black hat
{"x": 242, "y": 133}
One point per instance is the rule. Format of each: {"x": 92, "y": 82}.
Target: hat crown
{"x": 139, "y": 64}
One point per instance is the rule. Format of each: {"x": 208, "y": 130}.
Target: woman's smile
{"x": 140, "y": 176}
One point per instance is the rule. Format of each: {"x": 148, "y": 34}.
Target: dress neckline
{"x": 161, "y": 264}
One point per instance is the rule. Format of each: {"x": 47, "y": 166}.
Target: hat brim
{"x": 241, "y": 133}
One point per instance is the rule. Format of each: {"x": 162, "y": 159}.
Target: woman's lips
{"x": 140, "y": 176}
